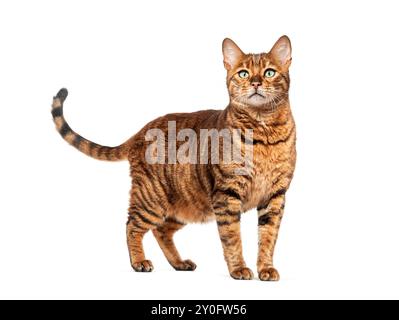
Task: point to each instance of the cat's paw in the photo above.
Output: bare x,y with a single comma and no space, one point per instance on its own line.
269,274
242,274
143,266
186,265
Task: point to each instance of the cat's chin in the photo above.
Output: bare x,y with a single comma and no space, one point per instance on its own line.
257,101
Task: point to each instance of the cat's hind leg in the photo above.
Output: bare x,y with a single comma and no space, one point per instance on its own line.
139,223
164,235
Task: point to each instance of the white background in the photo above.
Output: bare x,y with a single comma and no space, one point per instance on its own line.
62,215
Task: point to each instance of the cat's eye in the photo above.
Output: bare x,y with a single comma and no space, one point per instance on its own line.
270,73
243,74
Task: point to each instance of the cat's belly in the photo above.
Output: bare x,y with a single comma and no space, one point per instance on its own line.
199,209
195,212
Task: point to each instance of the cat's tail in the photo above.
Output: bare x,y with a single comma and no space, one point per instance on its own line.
89,148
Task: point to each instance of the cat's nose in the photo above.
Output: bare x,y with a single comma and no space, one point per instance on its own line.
255,84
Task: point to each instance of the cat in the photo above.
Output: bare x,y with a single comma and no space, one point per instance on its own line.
167,196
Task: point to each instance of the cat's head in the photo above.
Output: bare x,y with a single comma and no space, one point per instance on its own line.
258,80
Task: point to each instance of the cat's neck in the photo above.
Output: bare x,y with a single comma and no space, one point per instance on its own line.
238,114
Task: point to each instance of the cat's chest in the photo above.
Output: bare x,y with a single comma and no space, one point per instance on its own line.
268,164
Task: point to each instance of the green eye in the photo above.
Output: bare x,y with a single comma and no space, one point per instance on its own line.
270,73
243,74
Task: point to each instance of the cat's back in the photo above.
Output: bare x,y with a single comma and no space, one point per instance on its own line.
203,119
186,120
172,123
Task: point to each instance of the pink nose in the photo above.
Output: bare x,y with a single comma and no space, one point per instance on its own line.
255,84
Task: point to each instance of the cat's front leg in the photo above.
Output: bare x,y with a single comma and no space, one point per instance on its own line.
228,207
269,219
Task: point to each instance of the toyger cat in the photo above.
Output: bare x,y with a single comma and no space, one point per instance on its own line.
165,197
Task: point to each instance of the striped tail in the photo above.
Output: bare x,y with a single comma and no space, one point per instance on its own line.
89,148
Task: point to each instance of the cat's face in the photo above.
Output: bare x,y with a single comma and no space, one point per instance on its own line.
258,80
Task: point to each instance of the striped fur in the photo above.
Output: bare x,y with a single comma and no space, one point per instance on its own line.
89,148
166,197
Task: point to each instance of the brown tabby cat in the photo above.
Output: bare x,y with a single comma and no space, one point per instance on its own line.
165,197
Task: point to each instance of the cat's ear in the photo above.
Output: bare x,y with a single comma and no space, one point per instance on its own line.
231,54
281,52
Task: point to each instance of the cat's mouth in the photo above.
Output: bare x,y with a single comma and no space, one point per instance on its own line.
256,95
